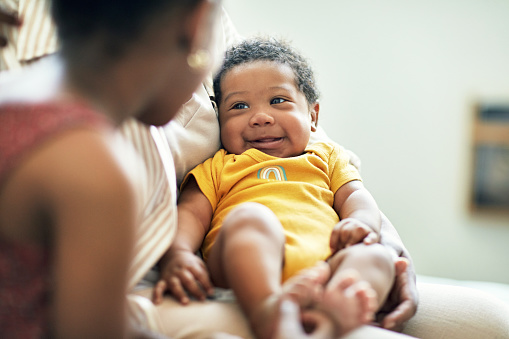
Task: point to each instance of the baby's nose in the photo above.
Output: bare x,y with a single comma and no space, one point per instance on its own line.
261,119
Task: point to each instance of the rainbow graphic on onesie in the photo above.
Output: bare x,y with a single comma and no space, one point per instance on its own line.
277,171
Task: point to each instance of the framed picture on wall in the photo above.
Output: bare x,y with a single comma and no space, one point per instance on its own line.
490,191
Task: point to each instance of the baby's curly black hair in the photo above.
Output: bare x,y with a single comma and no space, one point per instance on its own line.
269,49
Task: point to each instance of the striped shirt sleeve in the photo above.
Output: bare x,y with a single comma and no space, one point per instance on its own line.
158,221
34,39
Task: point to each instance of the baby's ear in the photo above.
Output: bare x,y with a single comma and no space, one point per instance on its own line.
314,109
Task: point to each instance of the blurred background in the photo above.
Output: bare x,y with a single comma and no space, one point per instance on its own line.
400,80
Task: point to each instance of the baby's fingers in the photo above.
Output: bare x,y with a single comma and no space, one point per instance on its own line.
202,276
158,292
371,238
334,240
192,285
177,290
356,235
339,236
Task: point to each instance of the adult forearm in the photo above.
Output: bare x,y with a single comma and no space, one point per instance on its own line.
391,238
403,299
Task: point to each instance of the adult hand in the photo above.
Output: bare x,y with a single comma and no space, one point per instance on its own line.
350,231
7,19
401,304
183,273
290,323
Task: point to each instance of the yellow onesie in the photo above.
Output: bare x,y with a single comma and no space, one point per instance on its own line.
299,190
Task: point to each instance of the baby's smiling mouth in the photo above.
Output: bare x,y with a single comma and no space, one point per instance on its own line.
268,142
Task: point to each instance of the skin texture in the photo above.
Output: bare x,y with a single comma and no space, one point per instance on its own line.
74,193
401,304
262,108
404,293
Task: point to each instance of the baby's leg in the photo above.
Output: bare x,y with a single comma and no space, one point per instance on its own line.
248,254
248,257
362,279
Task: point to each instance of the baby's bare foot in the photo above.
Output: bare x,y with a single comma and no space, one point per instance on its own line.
306,288
349,301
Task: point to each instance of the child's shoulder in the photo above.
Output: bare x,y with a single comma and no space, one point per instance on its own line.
324,147
328,151
220,154
218,159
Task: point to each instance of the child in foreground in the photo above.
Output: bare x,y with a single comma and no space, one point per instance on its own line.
269,209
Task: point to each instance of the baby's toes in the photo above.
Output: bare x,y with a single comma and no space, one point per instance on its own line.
320,273
307,286
367,298
304,292
300,290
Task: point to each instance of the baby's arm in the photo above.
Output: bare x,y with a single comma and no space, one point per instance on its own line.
182,271
359,215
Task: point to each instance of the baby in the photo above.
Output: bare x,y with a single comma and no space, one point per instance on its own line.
268,209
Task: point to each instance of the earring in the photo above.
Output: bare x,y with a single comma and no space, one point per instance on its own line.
198,60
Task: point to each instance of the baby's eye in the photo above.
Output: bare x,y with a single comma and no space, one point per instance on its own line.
240,106
277,101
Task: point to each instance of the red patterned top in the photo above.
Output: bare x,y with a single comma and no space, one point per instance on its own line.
25,282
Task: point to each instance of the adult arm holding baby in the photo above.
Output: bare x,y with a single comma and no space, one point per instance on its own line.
401,303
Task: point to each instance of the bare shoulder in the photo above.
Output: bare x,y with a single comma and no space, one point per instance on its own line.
84,161
80,174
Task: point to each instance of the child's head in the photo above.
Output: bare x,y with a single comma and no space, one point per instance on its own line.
267,99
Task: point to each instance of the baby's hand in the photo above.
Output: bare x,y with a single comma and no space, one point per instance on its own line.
350,231
183,273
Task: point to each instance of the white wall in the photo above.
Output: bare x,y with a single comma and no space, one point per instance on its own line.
398,80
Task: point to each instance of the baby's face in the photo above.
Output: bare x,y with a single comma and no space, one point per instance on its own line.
262,108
